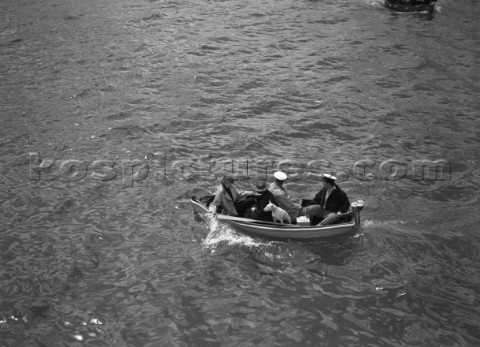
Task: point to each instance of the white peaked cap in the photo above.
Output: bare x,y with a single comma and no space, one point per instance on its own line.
333,178
279,175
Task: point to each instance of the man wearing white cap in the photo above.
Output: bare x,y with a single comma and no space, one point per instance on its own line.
283,199
329,204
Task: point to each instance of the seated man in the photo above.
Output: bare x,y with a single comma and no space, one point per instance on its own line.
283,199
329,204
262,200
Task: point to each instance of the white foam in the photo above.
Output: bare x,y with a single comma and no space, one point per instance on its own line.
222,233
373,223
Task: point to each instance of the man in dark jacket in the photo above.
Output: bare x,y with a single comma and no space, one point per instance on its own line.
262,200
329,204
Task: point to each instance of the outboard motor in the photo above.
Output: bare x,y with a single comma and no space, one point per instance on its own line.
357,206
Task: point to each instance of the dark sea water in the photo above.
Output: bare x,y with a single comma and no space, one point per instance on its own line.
113,113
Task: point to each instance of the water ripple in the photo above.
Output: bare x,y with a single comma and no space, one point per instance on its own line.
195,92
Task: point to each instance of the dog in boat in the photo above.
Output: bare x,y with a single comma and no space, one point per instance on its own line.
279,215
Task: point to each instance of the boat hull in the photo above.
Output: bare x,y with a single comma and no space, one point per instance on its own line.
283,231
289,231
409,7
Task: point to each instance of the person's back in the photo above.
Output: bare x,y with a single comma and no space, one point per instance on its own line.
263,200
265,197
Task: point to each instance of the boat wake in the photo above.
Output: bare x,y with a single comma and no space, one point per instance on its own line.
222,234
376,223
261,257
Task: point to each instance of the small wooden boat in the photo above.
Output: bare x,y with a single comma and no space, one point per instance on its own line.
410,5
285,231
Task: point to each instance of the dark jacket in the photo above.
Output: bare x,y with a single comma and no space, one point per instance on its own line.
262,200
337,201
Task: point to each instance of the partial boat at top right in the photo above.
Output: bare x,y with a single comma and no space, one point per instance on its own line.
410,5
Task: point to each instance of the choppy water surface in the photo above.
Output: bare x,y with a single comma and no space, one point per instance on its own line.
113,113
